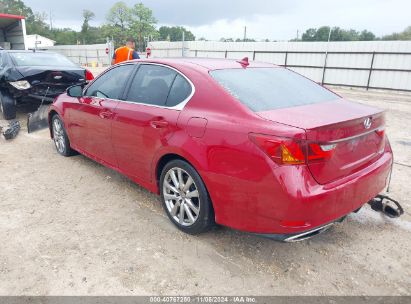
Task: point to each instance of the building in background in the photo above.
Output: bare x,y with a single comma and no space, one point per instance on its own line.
38,42
12,32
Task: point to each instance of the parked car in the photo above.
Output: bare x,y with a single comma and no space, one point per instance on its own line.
34,76
251,146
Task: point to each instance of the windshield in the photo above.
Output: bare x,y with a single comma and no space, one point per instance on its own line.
41,59
264,89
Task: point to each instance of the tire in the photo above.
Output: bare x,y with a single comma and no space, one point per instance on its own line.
189,206
61,140
7,106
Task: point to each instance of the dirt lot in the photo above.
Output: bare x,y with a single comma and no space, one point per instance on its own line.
69,226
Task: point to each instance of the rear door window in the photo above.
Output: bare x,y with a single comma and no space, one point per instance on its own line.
264,89
179,92
151,85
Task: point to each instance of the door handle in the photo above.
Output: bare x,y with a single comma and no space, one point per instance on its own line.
159,124
106,114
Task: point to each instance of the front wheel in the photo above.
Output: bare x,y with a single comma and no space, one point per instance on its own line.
61,140
7,106
185,198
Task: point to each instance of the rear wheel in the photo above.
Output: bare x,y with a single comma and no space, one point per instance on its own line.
60,137
7,106
185,198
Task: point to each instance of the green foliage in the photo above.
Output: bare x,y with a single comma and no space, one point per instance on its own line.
119,15
86,34
65,36
143,24
16,7
404,35
35,22
337,34
367,36
137,22
175,33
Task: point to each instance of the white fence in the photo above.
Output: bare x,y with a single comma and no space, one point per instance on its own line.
374,64
88,55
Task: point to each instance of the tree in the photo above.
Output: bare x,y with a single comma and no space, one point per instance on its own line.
310,35
337,34
65,36
143,23
16,7
366,36
404,35
38,25
175,33
119,15
87,17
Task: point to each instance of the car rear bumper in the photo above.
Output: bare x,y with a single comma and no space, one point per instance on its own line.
290,201
301,236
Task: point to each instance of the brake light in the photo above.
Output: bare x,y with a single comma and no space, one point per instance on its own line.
286,151
320,152
380,132
89,75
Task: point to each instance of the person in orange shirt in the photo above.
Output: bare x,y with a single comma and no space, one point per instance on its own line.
125,53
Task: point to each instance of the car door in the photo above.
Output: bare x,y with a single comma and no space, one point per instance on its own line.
91,117
148,118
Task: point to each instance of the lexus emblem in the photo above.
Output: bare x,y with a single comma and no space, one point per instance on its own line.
368,123
58,77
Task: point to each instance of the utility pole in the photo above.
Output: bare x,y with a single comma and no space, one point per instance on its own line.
326,55
245,33
298,35
51,21
183,42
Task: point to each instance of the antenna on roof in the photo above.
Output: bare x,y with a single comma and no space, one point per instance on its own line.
244,62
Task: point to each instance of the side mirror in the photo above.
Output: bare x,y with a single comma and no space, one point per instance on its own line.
75,91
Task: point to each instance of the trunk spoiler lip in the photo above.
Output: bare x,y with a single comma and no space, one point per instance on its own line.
354,136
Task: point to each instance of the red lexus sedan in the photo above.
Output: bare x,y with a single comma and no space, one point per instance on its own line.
251,146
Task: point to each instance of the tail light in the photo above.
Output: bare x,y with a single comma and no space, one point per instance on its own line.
89,75
380,132
287,151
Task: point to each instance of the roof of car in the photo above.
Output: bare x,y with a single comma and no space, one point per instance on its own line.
24,51
207,63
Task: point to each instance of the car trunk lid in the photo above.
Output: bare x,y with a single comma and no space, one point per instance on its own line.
353,131
51,81
52,74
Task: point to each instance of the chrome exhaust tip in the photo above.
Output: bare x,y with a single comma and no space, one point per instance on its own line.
308,234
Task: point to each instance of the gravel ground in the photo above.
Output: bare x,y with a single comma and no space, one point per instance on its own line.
69,226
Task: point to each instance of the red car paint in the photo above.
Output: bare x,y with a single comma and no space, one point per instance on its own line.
214,132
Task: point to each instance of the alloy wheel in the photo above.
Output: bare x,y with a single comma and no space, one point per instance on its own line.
58,134
181,197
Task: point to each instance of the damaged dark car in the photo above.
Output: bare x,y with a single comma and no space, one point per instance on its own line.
35,78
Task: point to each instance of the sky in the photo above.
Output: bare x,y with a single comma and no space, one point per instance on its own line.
265,19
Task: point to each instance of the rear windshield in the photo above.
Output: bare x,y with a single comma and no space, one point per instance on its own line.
264,89
41,59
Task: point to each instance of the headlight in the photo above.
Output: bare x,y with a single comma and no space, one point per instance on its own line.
21,85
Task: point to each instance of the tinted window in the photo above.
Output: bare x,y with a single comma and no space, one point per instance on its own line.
180,90
151,85
111,84
41,59
263,89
